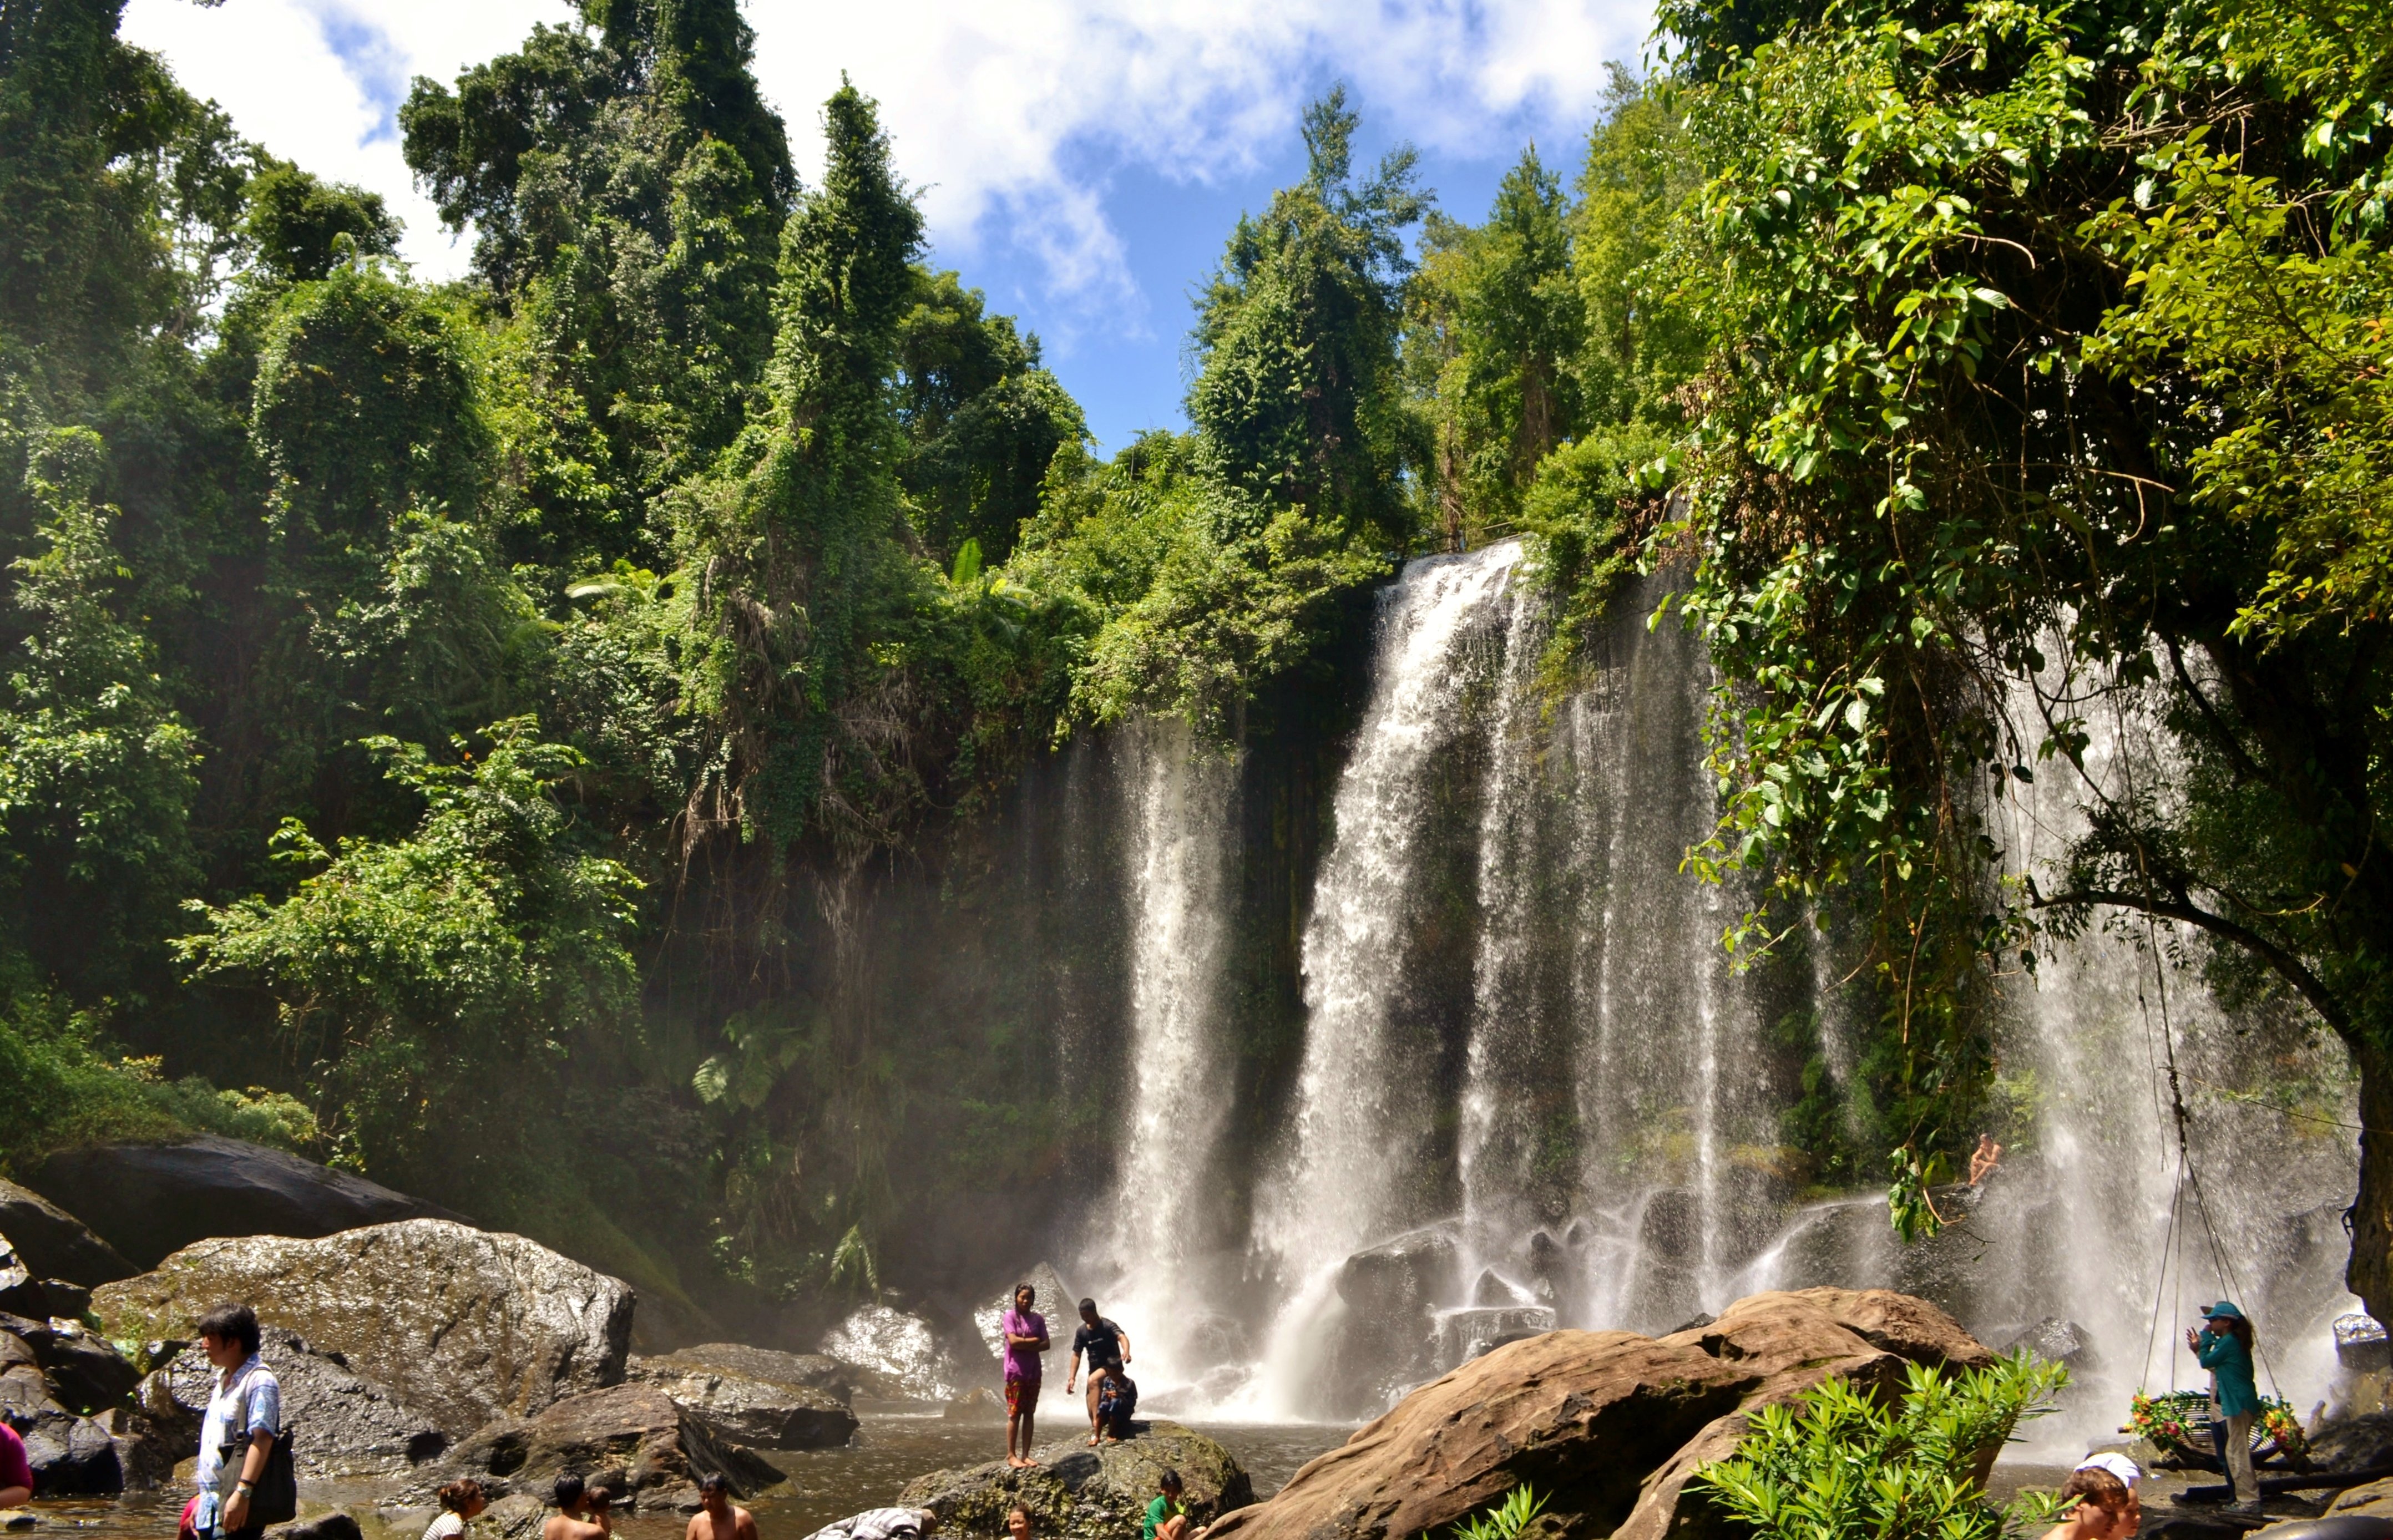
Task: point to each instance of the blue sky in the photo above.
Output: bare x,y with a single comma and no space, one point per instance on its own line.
1082,160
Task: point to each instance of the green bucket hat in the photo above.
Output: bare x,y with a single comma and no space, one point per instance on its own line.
2224,1309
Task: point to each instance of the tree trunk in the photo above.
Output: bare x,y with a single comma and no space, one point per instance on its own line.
2371,1273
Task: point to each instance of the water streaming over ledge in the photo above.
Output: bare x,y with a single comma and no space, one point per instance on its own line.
1533,1093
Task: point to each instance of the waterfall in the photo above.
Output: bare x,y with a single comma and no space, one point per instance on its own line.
1156,1243
1366,1113
1532,1090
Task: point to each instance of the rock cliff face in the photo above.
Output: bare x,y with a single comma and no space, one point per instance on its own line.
1076,1492
1608,1426
461,1326
150,1200
342,1426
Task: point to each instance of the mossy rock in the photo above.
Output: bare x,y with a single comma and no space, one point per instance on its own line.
1076,1492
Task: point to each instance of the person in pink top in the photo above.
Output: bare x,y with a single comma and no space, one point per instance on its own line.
16,1471
1026,1338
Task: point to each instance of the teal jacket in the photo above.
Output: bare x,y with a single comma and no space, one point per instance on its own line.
2230,1362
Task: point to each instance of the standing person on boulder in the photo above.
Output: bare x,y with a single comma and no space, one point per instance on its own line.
1026,1338
244,1417
2224,1346
719,1517
1108,1347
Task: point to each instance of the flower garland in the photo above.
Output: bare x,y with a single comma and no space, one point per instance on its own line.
2179,1422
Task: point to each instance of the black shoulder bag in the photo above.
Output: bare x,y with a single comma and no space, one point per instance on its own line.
274,1497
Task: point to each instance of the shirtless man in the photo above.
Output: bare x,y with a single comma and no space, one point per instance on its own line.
721,1519
572,1520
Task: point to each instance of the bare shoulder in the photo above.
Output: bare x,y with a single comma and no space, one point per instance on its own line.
743,1524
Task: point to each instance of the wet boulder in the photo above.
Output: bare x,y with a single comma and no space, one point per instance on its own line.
1076,1492
894,1355
755,1396
82,1372
344,1426
1607,1425
336,1525
53,1243
629,1437
1387,1335
150,1200
461,1326
2056,1341
71,1455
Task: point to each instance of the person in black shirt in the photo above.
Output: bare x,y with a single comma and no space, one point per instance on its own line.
1108,1347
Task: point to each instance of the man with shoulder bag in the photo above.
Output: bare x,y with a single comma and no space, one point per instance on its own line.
245,1477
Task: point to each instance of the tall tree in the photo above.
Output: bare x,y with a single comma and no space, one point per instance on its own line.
1298,388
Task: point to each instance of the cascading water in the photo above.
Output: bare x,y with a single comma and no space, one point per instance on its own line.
1533,1091
1367,1115
1156,1243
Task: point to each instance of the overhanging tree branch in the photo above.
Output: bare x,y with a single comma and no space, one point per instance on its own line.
2311,988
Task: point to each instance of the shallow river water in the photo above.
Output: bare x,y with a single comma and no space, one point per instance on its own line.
887,1451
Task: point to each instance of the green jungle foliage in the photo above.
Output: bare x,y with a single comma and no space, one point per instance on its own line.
426,704
1835,1463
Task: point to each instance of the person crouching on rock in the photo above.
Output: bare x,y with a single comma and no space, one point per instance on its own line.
718,1517
1026,1338
1108,1347
2224,1346
244,1417
2093,1505
460,1502
1167,1517
572,1520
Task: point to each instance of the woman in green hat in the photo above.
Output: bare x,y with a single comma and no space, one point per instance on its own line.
2224,1346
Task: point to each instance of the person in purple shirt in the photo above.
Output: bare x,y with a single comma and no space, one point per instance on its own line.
1026,1338
16,1471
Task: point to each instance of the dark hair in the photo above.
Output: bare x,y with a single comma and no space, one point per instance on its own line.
231,1324
2094,1486
2239,1327
1169,1480
459,1496
567,1490
1018,1289
600,1496
713,1483
1022,1509
1089,1305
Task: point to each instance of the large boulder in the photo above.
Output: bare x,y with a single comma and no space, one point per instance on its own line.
71,1455
343,1425
1076,1492
756,1396
629,1437
1607,1425
54,1244
1387,1335
461,1326
895,1355
150,1200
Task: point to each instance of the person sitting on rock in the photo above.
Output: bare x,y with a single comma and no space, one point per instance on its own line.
244,1417
718,1517
1108,1347
1984,1159
573,1518
1115,1402
1167,1517
881,1524
460,1503
1026,1338
2093,1505
16,1471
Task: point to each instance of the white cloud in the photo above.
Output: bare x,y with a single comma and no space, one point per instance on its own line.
1011,112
